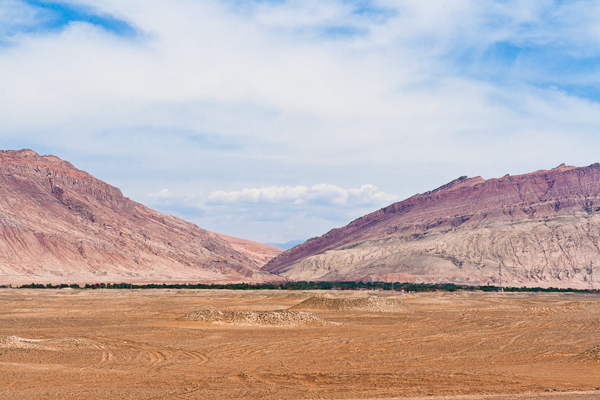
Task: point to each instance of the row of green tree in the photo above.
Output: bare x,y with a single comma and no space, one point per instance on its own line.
396,286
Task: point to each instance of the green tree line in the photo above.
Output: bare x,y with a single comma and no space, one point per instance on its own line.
396,286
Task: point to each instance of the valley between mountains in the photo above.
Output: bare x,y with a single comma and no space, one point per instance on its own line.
59,224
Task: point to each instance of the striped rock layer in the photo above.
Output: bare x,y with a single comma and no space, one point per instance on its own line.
61,225
538,229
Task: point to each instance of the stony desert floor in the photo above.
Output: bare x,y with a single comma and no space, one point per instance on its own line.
133,344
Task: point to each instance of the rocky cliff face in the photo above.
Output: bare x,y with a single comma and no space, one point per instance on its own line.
539,229
61,225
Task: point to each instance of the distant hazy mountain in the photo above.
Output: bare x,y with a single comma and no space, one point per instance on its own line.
61,225
287,245
538,229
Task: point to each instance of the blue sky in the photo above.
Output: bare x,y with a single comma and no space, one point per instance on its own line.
279,120
47,17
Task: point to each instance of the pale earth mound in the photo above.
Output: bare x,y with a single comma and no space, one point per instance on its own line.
592,354
255,318
349,304
16,342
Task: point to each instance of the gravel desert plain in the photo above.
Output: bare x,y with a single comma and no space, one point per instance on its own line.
274,344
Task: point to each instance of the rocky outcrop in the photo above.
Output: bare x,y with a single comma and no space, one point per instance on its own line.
538,229
61,225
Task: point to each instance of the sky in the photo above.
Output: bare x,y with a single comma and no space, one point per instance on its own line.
278,120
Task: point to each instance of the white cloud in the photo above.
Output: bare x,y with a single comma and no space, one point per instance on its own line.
310,210
13,15
278,96
321,194
162,194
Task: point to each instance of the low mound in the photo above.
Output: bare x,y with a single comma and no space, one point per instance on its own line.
592,354
352,304
15,342
261,318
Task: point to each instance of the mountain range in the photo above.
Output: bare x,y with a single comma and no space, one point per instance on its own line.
538,229
59,224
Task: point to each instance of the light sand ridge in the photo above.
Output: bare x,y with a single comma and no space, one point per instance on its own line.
256,318
352,304
16,342
592,354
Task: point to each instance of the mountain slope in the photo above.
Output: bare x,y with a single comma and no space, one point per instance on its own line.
538,229
59,225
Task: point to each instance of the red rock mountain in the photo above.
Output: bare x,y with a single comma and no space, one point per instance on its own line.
61,225
538,229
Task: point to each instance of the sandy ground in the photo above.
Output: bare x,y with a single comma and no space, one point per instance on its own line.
131,344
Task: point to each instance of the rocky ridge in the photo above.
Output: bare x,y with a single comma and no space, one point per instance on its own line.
59,224
537,229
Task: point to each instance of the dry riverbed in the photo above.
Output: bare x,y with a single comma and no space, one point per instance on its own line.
208,344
